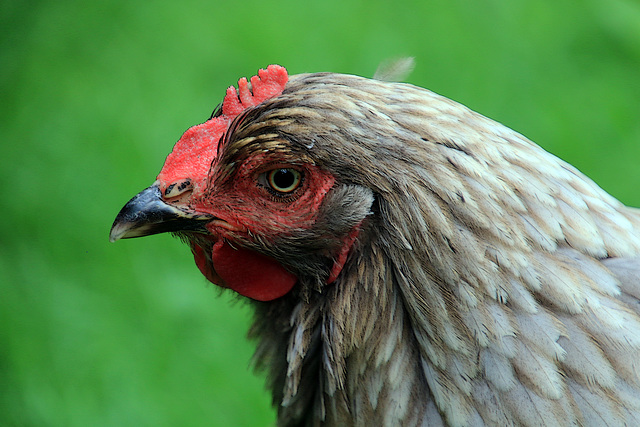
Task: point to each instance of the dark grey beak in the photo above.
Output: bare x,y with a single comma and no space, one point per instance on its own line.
147,213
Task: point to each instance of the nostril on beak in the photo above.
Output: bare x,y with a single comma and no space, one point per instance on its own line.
177,188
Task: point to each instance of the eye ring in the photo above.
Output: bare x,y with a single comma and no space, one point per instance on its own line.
284,180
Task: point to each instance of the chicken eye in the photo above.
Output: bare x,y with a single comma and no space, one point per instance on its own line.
284,180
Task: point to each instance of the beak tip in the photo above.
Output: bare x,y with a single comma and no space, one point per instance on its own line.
116,232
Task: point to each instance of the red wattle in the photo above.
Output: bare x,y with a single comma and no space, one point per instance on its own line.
249,273
201,261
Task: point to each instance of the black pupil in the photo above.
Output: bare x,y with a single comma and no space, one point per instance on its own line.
283,178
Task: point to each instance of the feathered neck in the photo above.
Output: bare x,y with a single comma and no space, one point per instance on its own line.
348,354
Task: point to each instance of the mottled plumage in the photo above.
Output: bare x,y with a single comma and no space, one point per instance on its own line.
490,283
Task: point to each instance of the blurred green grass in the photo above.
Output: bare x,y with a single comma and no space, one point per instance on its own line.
95,94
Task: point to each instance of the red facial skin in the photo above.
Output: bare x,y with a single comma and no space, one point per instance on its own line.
243,205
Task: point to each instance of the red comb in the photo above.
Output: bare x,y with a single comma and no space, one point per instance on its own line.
267,84
192,155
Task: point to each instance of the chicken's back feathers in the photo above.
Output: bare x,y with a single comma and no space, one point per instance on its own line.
492,283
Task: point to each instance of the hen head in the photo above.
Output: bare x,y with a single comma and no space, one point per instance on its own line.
250,200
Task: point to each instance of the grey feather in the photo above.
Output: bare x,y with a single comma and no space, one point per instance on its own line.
492,283
395,70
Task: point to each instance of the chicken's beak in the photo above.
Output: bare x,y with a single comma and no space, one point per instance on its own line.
147,213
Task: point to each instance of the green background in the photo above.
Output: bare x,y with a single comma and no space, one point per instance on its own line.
93,96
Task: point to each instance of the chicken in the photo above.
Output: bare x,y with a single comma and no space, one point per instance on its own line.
410,261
